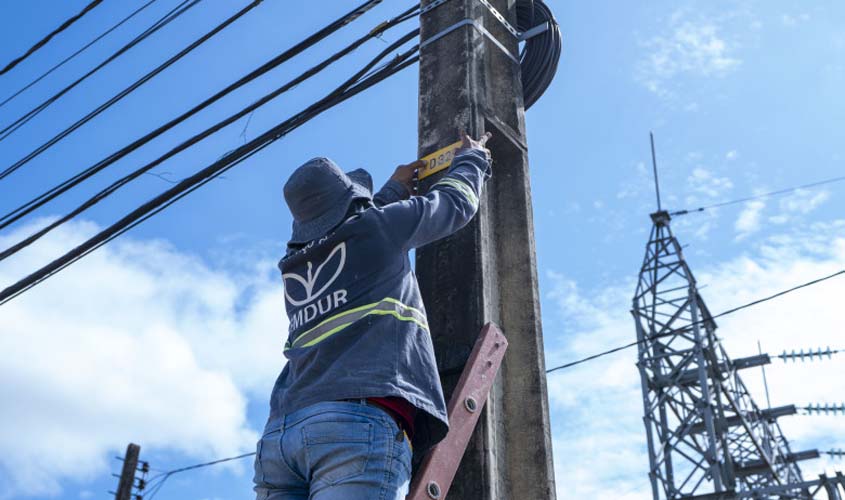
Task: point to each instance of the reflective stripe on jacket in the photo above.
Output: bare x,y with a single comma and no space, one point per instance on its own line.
357,322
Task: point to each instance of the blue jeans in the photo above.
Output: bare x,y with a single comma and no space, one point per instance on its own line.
334,451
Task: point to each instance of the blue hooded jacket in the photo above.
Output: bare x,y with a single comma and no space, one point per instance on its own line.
358,327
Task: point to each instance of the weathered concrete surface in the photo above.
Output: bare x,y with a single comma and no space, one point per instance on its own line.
487,271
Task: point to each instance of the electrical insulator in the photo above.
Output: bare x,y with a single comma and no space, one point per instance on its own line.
809,355
824,409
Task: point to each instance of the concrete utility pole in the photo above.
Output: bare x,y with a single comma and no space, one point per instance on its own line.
127,475
487,271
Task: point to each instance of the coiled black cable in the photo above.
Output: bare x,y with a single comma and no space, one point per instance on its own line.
540,56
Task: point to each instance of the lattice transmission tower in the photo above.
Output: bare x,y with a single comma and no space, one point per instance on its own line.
707,438
705,433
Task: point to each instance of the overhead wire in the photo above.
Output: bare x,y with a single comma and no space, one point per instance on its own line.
156,482
702,321
65,25
364,79
288,54
78,51
528,68
208,464
131,88
169,17
759,196
348,89
104,193
159,479
155,206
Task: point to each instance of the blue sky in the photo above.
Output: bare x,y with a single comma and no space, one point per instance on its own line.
168,337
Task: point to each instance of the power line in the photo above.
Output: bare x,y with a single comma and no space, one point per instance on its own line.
79,51
705,320
131,88
108,191
65,25
155,483
759,196
348,89
173,14
208,464
189,185
810,409
300,47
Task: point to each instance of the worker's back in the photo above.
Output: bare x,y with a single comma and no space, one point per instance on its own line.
361,374
357,323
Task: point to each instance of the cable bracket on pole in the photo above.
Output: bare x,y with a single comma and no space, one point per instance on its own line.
432,6
513,31
500,17
536,30
478,26
520,36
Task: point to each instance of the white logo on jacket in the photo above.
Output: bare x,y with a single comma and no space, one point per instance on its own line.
325,305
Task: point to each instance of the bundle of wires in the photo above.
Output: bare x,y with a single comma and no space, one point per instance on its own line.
366,77
539,61
172,15
57,190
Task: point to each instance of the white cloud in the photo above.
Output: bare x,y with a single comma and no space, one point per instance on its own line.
790,20
638,184
749,218
596,419
689,47
803,201
702,181
703,188
136,342
790,209
691,107
731,155
793,207
597,406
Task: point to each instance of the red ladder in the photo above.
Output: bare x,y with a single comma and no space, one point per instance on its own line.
435,475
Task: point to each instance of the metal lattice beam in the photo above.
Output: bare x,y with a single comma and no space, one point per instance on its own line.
707,438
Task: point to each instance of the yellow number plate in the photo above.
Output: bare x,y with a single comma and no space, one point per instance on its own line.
438,160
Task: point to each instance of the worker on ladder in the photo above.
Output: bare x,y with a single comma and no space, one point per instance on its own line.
360,392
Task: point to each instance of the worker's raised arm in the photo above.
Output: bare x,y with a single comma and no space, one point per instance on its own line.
448,206
399,186
391,192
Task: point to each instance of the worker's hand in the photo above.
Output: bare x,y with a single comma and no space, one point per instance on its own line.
468,142
405,175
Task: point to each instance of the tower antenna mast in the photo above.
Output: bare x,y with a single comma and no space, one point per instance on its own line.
654,167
